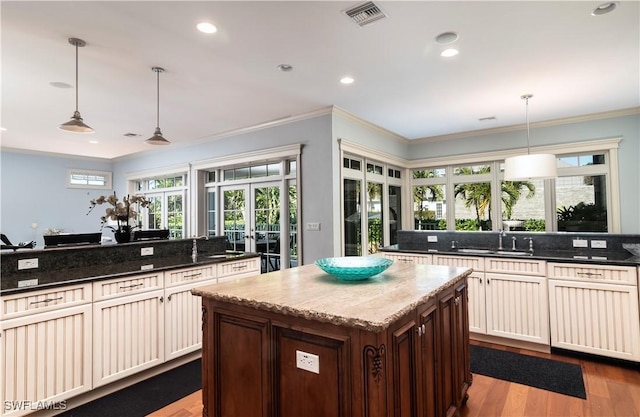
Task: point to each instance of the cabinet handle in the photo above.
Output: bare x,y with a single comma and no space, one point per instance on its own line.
161,299
46,300
589,274
419,330
456,300
405,260
124,287
480,280
239,267
192,275
424,329
169,297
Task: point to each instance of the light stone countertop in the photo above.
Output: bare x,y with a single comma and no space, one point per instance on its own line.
308,292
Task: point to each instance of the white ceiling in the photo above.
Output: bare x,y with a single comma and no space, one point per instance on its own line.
572,62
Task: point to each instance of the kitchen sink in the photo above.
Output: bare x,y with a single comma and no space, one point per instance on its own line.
511,252
475,251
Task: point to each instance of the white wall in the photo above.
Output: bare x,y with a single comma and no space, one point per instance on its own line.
34,191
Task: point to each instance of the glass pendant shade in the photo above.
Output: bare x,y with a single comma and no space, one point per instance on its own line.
157,138
530,166
76,125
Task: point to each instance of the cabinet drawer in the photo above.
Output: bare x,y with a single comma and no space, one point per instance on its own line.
234,269
133,284
45,300
181,276
409,259
516,266
476,263
594,273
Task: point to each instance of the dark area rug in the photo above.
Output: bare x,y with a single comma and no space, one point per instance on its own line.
551,375
146,396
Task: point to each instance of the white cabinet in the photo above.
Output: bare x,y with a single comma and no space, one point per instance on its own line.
594,309
128,333
45,348
241,268
408,258
507,297
183,311
476,288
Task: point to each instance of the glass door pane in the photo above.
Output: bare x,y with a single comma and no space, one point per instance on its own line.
293,226
175,219
235,226
352,218
266,224
375,231
395,213
154,212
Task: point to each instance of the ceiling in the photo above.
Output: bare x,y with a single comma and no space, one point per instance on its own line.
572,62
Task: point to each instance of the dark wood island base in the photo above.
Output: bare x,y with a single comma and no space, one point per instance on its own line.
298,343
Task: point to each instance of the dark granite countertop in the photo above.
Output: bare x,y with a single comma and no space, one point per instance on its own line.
69,276
604,258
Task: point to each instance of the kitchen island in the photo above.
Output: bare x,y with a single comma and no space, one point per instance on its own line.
298,342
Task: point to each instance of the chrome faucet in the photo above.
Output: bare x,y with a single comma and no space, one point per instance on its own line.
513,243
501,234
194,248
530,239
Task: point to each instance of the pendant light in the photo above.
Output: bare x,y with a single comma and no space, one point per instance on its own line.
157,138
76,124
530,166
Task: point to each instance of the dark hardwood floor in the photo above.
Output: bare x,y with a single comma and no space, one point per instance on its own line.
613,390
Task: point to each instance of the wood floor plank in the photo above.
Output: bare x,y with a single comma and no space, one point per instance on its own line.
516,400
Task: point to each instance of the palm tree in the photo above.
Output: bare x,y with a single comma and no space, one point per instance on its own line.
478,195
422,193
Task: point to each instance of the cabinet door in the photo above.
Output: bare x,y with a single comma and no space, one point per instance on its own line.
461,337
477,303
427,375
183,320
45,358
404,363
517,307
595,318
447,353
128,335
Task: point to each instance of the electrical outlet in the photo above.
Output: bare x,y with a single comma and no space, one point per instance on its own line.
599,244
146,267
432,238
27,283
308,361
313,226
580,243
27,263
146,251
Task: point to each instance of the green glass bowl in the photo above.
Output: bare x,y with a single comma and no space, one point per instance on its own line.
354,268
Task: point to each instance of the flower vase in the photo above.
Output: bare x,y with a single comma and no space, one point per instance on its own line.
122,235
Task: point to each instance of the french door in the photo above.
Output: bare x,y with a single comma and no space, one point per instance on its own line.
253,221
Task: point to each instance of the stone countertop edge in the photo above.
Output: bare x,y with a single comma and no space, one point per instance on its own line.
551,256
187,262
312,294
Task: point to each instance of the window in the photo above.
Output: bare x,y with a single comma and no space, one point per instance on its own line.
371,204
579,199
88,179
166,210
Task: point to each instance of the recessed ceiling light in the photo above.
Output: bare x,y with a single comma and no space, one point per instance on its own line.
206,27
605,8
446,38
93,141
59,84
487,119
4,129
448,53
347,80
285,67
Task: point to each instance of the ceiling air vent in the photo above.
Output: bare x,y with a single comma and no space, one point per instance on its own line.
365,13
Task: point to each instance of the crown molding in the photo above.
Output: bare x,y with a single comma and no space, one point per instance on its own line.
54,154
541,124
